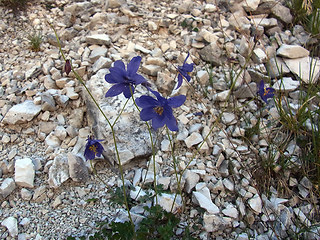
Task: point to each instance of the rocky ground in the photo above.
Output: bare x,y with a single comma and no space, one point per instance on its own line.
46,116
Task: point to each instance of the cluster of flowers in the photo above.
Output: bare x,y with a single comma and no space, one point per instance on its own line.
159,109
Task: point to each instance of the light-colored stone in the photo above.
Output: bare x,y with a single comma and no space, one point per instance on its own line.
292,51
99,39
7,186
307,68
286,84
205,202
193,139
59,171
24,172
167,200
12,225
22,113
256,203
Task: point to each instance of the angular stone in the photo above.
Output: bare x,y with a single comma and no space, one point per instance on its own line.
99,39
133,140
59,171
230,211
304,68
205,202
286,84
101,63
212,54
246,91
192,179
251,5
97,53
151,70
276,67
292,51
255,203
24,172
166,200
7,186
12,225
78,170
282,12
22,113
193,139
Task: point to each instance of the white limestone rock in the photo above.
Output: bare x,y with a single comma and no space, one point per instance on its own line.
12,225
78,170
292,51
193,139
256,203
166,200
230,211
22,113
205,202
24,172
286,84
99,39
7,186
304,68
192,179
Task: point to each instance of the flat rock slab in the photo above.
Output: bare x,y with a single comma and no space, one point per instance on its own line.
306,68
292,51
22,113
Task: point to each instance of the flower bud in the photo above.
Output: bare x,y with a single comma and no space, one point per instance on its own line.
67,67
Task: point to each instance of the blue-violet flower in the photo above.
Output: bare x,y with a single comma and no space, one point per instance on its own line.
93,148
184,70
160,110
265,93
124,80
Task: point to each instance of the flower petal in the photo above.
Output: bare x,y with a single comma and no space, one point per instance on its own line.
133,65
88,154
127,92
118,74
188,67
119,64
158,121
179,80
146,101
147,113
115,90
108,77
137,78
172,123
176,101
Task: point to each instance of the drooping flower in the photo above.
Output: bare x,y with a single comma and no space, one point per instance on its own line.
93,148
265,93
67,67
124,80
160,110
184,70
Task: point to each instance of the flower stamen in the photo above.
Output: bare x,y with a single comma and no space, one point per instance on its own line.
93,148
158,110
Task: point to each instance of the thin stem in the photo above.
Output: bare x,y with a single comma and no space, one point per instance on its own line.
111,127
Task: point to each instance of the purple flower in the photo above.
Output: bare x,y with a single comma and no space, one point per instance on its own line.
160,110
67,67
124,79
93,148
184,70
265,93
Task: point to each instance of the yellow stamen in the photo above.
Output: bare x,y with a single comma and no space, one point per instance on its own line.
93,148
158,110
266,91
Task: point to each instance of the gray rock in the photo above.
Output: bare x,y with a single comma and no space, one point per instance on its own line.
114,3
133,140
192,179
251,5
47,102
24,172
59,171
282,12
212,54
12,225
246,91
22,113
230,211
101,63
7,186
97,53
276,67
78,170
